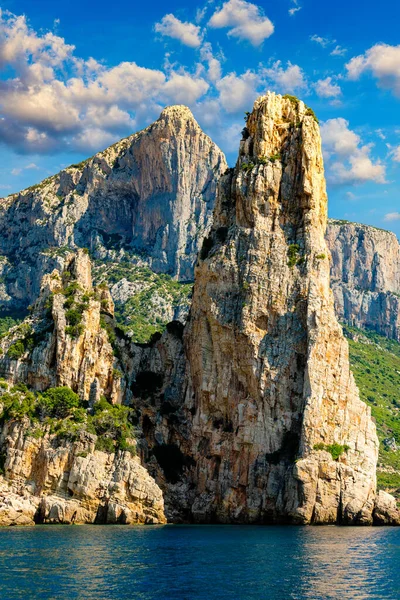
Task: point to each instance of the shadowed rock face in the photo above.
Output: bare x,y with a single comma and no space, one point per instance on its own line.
268,368
151,193
365,276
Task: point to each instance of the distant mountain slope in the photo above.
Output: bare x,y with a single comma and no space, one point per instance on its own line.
375,362
147,199
365,276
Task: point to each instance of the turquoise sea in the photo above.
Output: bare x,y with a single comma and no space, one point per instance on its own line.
199,563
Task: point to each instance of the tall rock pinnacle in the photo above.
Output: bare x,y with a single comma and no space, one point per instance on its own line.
279,431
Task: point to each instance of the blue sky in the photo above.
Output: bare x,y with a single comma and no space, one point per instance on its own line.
77,76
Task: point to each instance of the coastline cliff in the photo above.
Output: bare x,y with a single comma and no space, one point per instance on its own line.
248,414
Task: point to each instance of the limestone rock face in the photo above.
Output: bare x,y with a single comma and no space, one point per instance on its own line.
151,194
386,511
365,276
49,482
269,384
54,353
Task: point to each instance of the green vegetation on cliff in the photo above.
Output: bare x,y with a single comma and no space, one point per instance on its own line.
375,362
60,412
148,300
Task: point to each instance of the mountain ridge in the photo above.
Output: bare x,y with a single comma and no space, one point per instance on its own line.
126,201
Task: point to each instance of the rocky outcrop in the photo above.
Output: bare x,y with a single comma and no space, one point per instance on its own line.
147,198
65,341
365,276
249,413
273,400
386,510
53,470
51,482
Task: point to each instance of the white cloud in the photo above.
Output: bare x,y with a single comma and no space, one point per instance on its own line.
232,136
53,100
390,217
292,11
326,88
348,160
396,154
286,80
339,51
92,139
214,64
187,33
382,61
245,20
182,88
30,166
320,40
237,93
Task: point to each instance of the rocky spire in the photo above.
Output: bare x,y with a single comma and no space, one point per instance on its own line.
65,341
279,431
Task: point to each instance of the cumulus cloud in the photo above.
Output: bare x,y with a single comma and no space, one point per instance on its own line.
349,161
184,89
396,154
214,64
245,21
326,88
290,79
53,99
237,93
187,33
393,216
382,61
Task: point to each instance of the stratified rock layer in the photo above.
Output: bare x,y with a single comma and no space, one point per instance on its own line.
151,194
268,367
52,482
365,276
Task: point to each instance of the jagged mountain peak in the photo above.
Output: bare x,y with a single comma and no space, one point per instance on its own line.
177,111
147,198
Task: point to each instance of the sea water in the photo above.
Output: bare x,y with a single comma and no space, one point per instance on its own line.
199,562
